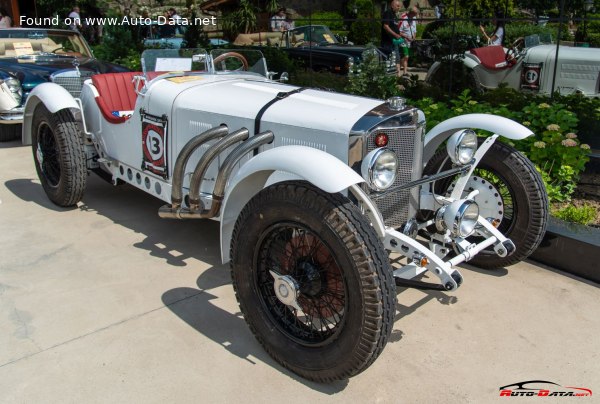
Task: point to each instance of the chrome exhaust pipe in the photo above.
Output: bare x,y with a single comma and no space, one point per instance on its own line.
168,212
234,157
207,159
184,156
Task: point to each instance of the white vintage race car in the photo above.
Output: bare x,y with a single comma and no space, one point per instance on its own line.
313,191
528,65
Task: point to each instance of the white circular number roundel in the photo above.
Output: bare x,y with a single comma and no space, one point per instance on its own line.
154,145
531,76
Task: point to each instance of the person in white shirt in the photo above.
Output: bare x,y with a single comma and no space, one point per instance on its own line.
497,37
75,19
278,20
5,21
408,32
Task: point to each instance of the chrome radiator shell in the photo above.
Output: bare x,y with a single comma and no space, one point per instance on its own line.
405,134
71,80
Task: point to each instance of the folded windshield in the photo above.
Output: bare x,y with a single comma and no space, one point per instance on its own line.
191,61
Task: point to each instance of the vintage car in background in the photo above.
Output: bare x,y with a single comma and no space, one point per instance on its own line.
313,190
316,47
528,65
29,57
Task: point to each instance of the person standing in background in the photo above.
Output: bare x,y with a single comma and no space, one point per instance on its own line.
278,20
288,23
390,35
75,19
497,37
5,20
408,32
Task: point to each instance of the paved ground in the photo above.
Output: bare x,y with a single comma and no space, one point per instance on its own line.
109,303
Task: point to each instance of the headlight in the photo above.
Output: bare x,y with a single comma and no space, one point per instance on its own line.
14,85
379,168
460,217
462,146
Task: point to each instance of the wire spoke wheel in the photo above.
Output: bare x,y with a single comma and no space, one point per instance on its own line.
313,281
292,249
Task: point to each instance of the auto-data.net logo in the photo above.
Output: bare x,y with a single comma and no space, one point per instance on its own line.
542,388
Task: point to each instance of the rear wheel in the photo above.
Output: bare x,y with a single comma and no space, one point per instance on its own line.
511,193
59,157
313,281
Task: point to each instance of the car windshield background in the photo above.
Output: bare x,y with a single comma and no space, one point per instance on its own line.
17,43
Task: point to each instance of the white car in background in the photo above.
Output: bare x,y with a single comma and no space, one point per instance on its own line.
529,65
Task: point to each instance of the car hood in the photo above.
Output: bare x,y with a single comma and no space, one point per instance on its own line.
310,109
33,73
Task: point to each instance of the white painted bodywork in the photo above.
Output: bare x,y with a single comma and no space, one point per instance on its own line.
315,166
493,123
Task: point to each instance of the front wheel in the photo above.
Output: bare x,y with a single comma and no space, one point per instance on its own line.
313,281
511,193
59,157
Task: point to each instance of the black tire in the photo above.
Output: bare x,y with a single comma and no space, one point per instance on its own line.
523,195
59,156
343,271
10,131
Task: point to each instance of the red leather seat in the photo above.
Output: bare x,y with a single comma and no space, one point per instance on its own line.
491,57
115,93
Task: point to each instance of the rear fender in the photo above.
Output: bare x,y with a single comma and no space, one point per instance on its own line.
275,165
495,124
53,96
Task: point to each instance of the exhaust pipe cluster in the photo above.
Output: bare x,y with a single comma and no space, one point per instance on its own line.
196,210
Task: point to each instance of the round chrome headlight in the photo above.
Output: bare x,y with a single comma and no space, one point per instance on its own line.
379,168
462,146
14,85
460,217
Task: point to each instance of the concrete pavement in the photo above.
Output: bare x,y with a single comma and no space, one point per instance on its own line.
108,303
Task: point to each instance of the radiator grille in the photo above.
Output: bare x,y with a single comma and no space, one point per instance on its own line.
397,208
71,80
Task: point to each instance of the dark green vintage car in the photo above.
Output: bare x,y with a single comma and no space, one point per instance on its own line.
31,56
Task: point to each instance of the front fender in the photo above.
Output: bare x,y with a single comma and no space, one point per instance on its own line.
493,123
298,162
53,96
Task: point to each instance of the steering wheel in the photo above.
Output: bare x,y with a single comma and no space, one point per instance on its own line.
514,52
234,55
66,51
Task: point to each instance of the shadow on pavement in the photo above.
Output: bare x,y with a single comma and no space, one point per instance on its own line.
30,190
175,241
228,330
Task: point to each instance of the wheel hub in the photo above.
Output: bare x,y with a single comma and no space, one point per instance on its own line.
491,205
286,289
310,279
